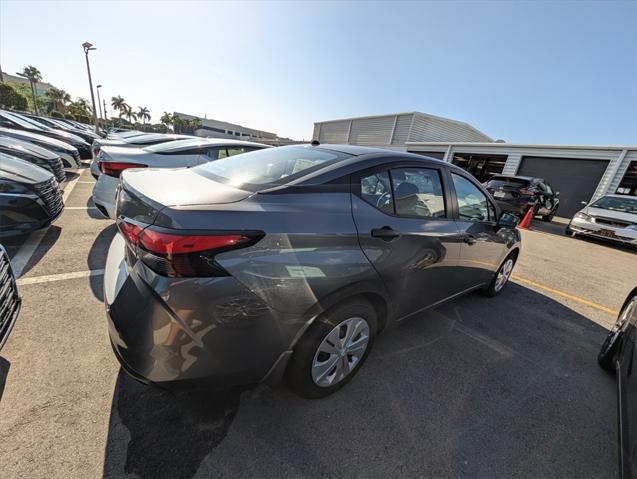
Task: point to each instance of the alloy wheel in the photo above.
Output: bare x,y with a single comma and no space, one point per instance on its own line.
504,274
340,352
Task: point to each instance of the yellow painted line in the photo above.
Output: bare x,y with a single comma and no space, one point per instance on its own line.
572,297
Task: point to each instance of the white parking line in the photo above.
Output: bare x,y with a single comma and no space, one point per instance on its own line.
24,254
59,277
80,207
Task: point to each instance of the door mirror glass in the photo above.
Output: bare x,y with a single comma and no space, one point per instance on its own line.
507,220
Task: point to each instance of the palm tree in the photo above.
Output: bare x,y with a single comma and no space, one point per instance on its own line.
143,114
32,74
129,113
58,98
118,103
166,119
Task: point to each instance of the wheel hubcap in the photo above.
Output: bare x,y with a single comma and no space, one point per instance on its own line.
340,352
504,274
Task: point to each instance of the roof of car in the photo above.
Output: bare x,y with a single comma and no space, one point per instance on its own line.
528,178
190,142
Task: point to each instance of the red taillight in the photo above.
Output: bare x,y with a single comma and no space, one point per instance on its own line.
115,168
173,254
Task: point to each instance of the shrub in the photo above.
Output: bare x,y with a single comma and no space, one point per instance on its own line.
69,116
10,98
56,114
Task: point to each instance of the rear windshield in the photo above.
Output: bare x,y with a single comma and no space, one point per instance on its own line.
615,203
20,121
269,167
172,145
503,181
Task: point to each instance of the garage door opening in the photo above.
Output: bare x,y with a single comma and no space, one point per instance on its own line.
628,185
576,179
482,167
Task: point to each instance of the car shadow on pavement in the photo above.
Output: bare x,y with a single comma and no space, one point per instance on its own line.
97,258
15,243
155,433
93,212
4,373
478,387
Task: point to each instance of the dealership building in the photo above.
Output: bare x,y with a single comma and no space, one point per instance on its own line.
579,173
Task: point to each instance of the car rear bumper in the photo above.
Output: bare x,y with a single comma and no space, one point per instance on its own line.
516,207
606,232
104,193
178,332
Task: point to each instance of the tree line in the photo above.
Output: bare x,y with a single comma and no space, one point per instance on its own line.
56,102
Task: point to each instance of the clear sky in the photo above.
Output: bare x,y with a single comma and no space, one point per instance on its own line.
539,72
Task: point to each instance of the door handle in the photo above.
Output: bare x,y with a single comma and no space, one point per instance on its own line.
386,233
469,239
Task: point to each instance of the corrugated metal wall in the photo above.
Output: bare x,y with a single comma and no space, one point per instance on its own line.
395,130
334,132
439,129
372,131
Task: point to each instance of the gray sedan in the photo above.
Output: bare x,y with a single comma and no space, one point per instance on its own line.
112,160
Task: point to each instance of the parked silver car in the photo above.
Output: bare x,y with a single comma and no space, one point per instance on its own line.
612,217
130,140
112,160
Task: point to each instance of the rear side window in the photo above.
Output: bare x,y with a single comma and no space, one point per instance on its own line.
409,192
233,150
418,192
473,205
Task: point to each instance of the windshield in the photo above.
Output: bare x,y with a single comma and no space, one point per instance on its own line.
504,181
33,122
271,166
616,203
21,122
177,144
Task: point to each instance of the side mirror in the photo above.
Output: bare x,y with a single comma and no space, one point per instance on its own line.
507,220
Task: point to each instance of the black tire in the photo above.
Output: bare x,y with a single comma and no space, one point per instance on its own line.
548,218
492,289
608,351
298,374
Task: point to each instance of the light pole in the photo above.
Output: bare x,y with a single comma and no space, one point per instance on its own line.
99,102
87,48
104,101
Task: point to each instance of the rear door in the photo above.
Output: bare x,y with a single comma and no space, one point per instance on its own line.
402,213
482,246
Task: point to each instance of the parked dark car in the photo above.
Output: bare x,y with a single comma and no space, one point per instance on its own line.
33,154
618,356
30,198
516,194
87,136
9,298
68,153
18,122
289,261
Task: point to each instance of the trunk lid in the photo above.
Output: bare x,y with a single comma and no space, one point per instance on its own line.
145,192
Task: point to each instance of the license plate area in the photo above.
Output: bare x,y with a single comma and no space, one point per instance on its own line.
607,233
499,194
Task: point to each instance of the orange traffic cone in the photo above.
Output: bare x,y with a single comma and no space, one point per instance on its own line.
525,224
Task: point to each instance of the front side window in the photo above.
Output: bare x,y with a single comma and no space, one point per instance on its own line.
376,190
472,203
418,192
233,150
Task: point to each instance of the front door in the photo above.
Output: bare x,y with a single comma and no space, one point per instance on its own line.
405,230
482,246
